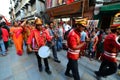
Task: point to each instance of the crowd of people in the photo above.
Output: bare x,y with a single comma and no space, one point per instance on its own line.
81,41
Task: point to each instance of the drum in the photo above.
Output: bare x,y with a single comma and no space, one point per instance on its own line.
44,51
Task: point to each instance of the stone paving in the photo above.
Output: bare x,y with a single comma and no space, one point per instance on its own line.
14,67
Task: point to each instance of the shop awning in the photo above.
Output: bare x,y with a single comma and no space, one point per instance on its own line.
111,7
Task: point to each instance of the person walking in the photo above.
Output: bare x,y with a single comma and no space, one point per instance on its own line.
40,39
17,36
5,36
84,36
54,36
111,48
3,51
93,44
73,53
60,37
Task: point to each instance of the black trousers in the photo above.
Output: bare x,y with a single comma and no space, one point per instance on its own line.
54,49
39,61
73,65
107,68
6,44
119,66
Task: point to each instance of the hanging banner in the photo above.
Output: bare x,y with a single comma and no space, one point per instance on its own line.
60,2
54,3
48,4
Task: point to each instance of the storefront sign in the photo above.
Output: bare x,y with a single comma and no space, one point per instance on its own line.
92,23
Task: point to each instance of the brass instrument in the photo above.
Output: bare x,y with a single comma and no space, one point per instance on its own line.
118,40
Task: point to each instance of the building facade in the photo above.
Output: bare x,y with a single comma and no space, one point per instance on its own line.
26,9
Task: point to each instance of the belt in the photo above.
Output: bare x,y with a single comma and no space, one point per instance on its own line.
112,55
73,51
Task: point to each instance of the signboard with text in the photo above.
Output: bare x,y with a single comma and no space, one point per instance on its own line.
92,23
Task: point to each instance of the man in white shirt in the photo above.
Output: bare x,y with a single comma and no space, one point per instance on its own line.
66,26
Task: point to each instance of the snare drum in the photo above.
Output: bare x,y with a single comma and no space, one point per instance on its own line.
44,51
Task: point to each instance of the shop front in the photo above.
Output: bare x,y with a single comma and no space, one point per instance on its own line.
106,15
73,9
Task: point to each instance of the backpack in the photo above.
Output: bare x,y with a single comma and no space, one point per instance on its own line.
66,34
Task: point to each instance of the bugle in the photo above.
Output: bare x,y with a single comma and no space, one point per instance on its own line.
118,40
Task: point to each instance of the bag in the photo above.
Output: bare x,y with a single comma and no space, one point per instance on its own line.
0,34
66,34
49,44
65,47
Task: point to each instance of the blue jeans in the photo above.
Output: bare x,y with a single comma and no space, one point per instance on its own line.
2,47
59,43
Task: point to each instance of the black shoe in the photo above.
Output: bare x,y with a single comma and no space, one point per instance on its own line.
40,69
49,57
58,61
48,71
68,74
104,76
4,54
98,76
97,73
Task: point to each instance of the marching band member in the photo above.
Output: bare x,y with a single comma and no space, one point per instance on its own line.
40,38
73,53
111,47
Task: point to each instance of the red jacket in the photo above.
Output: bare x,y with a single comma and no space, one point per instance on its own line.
73,40
5,34
111,48
40,38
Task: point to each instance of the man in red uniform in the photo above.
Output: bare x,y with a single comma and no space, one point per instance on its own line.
111,48
73,53
40,38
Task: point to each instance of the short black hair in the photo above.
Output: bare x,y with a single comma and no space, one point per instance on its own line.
113,30
0,17
3,23
0,25
78,24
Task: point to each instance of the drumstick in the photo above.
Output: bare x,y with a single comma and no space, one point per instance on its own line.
35,50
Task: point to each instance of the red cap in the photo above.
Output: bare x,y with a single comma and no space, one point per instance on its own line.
115,26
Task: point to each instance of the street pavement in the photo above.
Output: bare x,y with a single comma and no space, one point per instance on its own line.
14,67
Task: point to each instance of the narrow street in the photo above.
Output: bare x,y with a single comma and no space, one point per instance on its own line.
14,67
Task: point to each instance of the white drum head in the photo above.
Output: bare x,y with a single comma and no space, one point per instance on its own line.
44,52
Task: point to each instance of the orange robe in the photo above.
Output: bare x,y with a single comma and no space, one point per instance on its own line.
26,32
17,39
